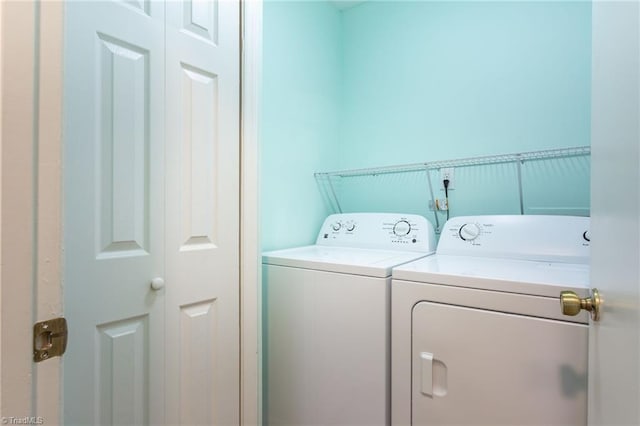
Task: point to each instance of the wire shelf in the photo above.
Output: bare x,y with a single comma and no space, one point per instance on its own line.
326,179
462,162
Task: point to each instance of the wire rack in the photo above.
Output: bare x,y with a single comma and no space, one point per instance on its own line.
326,180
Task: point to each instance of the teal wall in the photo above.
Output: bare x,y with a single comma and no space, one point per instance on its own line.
392,82
440,80
300,117
427,81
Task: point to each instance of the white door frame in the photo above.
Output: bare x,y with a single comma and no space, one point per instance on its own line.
17,226
31,90
250,273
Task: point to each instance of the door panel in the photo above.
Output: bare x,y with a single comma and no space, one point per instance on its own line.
113,201
198,338
199,143
614,341
202,233
122,157
123,379
201,19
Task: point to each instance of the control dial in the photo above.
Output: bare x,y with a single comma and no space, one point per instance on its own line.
586,236
351,227
469,231
336,226
402,228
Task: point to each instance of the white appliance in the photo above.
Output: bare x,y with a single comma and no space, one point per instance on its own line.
327,319
478,337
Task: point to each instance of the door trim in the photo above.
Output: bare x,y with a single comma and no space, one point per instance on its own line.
250,265
31,204
48,244
17,204
30,212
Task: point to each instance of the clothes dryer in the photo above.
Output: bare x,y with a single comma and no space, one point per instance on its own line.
327,319
478,337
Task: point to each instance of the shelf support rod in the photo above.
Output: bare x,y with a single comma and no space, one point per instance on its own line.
333,192
520,192
435,210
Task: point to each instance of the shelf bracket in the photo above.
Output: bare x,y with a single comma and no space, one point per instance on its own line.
435,210
520,191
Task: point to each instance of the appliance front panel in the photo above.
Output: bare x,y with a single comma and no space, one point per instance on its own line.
477,367
326,348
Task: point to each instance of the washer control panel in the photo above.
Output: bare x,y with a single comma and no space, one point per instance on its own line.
389,231
529,237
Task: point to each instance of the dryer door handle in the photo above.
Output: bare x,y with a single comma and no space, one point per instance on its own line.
426,361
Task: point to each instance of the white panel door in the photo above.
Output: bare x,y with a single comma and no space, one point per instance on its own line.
476,367
131,216
614,341
202,210
113,207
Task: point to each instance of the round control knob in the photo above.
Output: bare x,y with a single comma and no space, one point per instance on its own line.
157,283
336,226
586,235
351,227
401,228
469,231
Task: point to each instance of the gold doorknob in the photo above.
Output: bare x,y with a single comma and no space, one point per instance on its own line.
572,304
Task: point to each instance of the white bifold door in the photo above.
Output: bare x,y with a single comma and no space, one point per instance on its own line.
151,229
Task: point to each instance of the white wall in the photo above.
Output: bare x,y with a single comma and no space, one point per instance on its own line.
439,80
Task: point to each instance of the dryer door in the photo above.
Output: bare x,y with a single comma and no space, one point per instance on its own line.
476,367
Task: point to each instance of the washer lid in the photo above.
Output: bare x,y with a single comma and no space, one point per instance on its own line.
373,263
507,275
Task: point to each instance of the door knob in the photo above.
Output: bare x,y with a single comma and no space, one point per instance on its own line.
572,304
157,283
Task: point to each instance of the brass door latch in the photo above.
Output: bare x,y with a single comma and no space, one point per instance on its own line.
49,339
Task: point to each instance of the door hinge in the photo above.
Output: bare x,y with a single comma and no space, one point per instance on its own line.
49,339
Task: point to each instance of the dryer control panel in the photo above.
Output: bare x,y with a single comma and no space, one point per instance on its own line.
387,231
528,237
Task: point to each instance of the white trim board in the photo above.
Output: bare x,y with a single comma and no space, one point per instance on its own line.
18,204
249,209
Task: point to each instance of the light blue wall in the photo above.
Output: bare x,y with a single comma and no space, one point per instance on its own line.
427,81
300,117
400,82
439,80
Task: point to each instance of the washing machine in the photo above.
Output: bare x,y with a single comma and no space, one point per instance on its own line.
478,337
326,315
